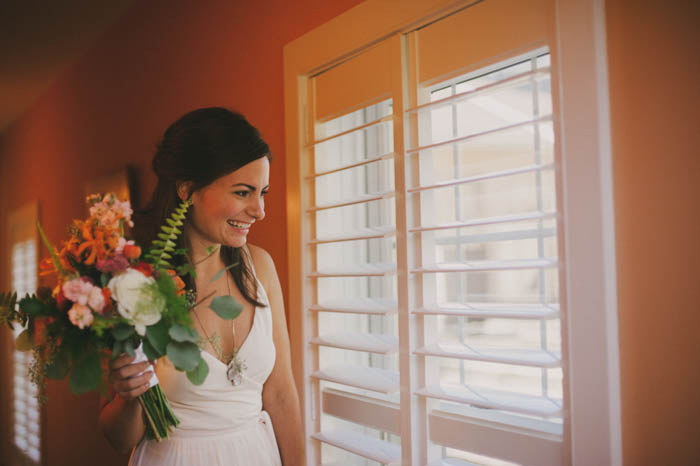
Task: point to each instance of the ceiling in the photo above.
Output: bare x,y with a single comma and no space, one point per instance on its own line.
40,39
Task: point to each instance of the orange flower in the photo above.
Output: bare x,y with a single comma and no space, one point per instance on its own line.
94,243
46,267
132,251
145,268
179,284
107,295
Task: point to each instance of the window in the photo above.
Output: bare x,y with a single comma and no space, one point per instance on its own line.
433,308
26,413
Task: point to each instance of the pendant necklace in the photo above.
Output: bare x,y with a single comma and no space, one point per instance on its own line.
235,367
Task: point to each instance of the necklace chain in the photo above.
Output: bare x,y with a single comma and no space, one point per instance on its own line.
215,341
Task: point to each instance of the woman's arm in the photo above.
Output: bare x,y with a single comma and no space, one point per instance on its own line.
121,419
280,397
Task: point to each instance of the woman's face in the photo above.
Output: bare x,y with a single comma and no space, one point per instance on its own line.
224,211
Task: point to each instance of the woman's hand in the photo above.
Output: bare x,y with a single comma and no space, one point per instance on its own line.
123,375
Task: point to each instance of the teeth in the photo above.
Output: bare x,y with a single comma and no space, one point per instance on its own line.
238,225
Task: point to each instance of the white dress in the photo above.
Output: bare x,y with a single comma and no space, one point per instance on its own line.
219,424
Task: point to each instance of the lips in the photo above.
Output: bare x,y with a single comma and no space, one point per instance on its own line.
238,225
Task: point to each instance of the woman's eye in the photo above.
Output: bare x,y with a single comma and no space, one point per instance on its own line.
241,193
264,193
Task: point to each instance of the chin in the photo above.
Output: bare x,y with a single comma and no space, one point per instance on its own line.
236,243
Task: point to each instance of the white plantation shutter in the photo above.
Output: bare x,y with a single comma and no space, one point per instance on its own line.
433,280
482,176
26,417
353,313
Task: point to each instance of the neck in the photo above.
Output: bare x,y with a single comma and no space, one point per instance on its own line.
205,255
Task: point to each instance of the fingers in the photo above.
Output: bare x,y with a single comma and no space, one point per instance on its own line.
126,378
132,387
128,371
121,361
134,393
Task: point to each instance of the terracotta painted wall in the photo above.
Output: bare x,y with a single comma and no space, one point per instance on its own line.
158,61
162,59
654,64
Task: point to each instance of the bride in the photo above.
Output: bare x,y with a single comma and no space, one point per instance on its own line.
245,413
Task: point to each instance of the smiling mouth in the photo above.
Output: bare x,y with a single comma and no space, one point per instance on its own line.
238,225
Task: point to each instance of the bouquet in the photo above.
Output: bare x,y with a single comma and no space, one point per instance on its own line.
113,298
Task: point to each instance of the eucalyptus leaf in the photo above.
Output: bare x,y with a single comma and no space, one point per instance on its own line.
129,347
122,331
218,274
86,374
181,333
199,374
226,307
150,352
157,336
117,349
184,355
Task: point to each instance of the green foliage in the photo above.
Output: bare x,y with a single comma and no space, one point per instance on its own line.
163,248
186,269
199,373
218,274
8,309
184,355
150,352
52,251
181,333
226,307
59,366
121,332
86,373
178,309
32,306
157,336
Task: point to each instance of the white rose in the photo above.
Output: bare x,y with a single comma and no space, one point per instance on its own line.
138,300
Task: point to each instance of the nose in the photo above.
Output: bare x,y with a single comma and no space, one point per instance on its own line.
256,207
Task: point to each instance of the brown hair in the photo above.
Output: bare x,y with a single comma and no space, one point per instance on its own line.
200,147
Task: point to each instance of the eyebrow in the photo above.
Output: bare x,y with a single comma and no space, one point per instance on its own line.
252,188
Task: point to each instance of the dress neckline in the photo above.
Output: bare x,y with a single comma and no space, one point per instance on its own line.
255,309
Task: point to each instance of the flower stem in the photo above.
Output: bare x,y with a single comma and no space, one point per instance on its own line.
159,418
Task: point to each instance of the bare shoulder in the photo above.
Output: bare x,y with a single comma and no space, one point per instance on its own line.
264,266
267,274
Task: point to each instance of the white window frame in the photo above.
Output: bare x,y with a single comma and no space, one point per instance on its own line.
593,435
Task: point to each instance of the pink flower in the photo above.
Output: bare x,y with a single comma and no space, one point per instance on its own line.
124,209
96,300
110,210
116,264
77,290
80,315
120,245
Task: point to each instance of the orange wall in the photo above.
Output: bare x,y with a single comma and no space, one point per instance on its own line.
162,59
654,65
158,61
